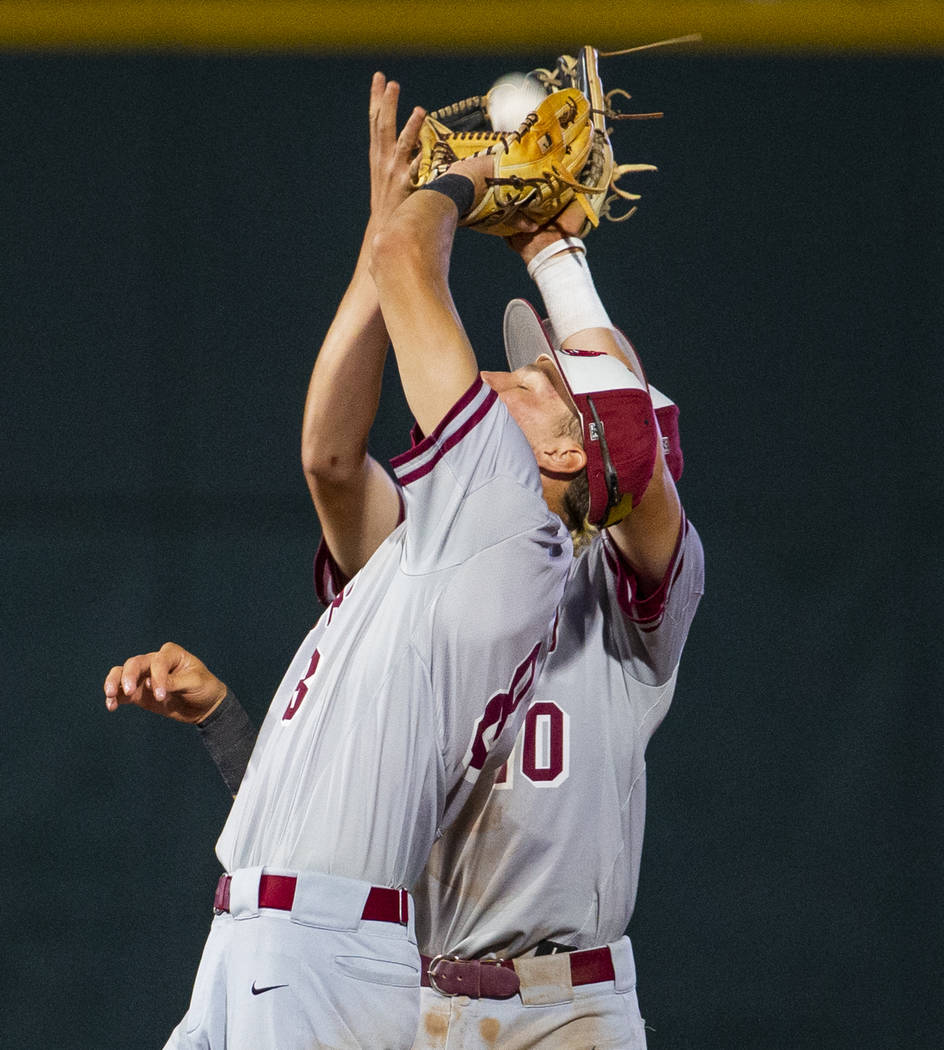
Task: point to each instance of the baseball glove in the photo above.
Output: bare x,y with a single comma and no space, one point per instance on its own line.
561,151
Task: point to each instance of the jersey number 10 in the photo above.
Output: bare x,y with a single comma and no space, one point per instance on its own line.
542,750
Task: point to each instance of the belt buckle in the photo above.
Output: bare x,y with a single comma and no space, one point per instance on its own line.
431,972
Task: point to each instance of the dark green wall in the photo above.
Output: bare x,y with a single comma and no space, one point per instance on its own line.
175,235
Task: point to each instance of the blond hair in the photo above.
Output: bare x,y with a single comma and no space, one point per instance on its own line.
576,499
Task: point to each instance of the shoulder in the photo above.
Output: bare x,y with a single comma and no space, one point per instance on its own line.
603,610
683,577
476,430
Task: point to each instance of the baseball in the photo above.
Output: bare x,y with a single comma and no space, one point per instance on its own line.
511,98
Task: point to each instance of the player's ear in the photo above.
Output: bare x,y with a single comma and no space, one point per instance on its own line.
565,459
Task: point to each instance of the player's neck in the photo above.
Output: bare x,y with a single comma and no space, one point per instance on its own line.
554,489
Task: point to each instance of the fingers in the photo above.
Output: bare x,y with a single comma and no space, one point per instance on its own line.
384,98
523,224
170,682
143,678
410,135
384,95
529,240
112,688
391,155
126,683
570,221
163,665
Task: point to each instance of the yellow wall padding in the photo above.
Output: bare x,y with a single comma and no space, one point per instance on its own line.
489,27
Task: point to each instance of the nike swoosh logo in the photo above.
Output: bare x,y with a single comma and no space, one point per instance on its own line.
267,988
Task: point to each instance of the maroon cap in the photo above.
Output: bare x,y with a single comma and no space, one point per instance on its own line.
616,414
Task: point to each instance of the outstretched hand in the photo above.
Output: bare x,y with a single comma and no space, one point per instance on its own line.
171,682
391,155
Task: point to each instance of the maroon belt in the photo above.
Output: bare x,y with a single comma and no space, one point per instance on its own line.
278,891
497,979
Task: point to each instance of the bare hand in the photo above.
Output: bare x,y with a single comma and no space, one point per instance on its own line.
170,682
568,224
391,155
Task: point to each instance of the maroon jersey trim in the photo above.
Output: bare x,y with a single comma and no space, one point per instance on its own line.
435,444
329,580
648,611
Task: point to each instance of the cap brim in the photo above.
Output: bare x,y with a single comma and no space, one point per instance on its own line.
525,337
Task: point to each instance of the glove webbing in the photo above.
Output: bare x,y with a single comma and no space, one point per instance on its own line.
467,115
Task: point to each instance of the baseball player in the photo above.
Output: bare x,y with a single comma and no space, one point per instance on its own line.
540,871
543,873
397,700
524,884
544,877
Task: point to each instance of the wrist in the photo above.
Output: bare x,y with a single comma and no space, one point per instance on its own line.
459,188
563,278
229,736
546,244
220,695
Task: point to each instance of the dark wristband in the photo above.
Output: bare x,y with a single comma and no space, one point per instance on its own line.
229,736
460,189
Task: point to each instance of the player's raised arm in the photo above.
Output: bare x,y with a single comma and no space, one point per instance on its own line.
648,537
410,266
556,260
354,497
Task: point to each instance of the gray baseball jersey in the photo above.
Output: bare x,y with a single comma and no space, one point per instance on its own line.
555,852
418,675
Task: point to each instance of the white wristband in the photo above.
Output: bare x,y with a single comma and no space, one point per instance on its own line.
564,246
563,278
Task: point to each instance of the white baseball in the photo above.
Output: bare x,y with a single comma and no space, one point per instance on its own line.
511,98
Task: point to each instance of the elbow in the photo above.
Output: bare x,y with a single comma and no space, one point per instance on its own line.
396,252
327,466
313,464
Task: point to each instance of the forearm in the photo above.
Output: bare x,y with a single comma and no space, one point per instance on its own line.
410,267
345,386
573,306
557,264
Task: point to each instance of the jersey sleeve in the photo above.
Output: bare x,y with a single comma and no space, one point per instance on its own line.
470,484
650,632
329,579
476,446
